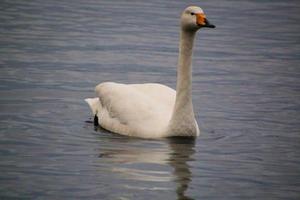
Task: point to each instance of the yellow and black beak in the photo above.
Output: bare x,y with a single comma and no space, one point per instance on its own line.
202,21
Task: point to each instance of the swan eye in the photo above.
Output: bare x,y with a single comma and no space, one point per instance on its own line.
192,13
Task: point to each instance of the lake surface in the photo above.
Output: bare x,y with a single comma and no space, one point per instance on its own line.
246,95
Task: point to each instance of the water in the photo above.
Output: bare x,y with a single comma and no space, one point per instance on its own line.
246,99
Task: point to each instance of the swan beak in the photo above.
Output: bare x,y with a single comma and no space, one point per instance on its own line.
203,22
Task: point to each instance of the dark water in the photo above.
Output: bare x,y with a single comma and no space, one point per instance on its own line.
246,96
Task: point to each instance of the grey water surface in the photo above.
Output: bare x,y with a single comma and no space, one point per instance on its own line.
246,95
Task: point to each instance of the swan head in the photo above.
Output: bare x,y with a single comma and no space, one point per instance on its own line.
193,18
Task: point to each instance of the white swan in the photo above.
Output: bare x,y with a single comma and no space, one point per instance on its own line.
153,110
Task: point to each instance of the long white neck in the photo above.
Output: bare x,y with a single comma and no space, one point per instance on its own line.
183,121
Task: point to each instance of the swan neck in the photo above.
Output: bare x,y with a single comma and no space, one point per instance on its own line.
184,68
183,120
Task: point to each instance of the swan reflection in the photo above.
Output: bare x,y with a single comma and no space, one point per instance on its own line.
160,164
183,149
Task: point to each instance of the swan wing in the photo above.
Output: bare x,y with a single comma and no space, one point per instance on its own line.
141,110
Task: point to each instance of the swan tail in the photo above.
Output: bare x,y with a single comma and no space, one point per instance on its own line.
94,105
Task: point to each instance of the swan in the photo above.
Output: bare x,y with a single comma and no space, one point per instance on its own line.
153,110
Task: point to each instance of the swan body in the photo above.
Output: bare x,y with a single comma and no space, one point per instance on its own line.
140,110
153,110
